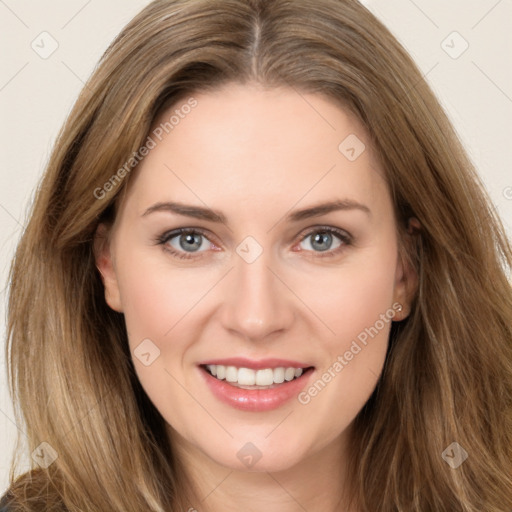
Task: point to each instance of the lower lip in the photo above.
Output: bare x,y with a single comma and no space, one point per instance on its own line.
255,400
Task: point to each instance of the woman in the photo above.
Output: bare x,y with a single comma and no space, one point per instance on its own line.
272,279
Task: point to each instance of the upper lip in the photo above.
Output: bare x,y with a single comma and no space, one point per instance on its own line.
242,362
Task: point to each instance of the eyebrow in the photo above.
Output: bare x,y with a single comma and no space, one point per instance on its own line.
325,208
198,212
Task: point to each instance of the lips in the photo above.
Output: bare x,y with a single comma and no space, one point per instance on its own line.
231,388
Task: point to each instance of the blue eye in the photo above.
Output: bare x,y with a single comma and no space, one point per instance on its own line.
325,240
189,241
184,242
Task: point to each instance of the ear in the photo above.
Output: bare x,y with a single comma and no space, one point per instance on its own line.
105,264
406,280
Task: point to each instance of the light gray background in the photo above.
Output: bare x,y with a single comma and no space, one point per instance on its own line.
36,95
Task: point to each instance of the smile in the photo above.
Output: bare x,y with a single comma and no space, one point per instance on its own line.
248,378
266,386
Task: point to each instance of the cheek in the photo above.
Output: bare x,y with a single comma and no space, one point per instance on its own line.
164,304
357,308
364,298
159,307
353,297
148,306
157,298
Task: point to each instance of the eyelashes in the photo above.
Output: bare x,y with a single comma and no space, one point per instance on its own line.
195,238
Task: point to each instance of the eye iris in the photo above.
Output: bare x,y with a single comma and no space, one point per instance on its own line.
321,238
190,241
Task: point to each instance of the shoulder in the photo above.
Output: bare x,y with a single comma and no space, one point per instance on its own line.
4,504
31,492
23,496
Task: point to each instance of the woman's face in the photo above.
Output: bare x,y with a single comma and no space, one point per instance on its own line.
288,258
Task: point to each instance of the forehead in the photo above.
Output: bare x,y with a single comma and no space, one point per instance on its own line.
253,146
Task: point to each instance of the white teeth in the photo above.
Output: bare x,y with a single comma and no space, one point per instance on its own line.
249,377
265,377
289,373
279,375
246,377
220,371
231,374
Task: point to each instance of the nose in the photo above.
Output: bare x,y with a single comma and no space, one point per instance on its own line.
258,304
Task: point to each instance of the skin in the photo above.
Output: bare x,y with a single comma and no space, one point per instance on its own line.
257,155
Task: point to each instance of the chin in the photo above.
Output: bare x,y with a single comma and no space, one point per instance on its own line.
256,456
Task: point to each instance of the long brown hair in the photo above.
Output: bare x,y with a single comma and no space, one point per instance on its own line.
448,372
